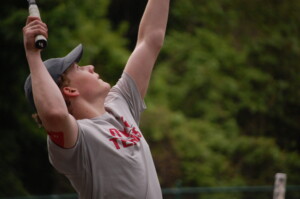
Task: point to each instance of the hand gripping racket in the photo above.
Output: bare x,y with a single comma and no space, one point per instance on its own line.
40,40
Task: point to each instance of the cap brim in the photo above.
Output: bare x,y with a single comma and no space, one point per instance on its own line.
57,66
72,57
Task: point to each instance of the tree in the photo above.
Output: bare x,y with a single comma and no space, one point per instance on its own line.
229,77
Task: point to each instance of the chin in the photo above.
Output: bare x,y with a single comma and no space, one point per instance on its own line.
106,86
104,89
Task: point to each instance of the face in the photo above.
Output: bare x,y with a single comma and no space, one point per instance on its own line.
87,82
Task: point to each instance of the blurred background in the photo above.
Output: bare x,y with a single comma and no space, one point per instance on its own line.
224,99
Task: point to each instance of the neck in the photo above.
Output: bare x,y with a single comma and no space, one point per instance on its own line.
84,110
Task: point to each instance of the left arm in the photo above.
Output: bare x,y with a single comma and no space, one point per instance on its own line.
150,40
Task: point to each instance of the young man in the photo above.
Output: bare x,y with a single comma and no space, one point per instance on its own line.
93,133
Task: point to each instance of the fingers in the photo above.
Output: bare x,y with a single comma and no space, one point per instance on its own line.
35,26
32,18
35,21
33,32
36,29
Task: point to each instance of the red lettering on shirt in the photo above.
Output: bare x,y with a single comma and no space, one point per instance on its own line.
128,132
136,132
57,138
125,122
115,132
125,145
125,133
135,139
114,140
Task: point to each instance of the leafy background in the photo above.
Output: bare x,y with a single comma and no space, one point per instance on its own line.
224,100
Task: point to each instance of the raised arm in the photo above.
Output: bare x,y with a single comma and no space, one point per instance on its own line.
150,40
48,98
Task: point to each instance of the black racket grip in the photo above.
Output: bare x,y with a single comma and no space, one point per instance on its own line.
40,40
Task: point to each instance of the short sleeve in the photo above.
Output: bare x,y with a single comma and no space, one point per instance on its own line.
62,158
127,90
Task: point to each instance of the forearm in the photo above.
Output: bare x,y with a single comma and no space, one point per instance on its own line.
47,96
154,22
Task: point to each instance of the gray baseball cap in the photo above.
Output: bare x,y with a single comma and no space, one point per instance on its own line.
56,67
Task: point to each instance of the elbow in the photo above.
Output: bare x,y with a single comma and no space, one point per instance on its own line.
156,39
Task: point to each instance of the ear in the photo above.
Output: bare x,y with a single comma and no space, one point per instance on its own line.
70,92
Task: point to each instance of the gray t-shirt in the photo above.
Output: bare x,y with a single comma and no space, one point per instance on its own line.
111,158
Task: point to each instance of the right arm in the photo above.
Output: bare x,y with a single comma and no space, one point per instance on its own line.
48,98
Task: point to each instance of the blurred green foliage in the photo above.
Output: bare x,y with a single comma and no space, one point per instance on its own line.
223,103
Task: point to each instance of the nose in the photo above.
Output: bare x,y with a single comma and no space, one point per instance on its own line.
90,68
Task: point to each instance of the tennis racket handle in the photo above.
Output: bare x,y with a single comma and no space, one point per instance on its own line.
40,40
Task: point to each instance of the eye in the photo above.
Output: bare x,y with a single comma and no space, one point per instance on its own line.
78,67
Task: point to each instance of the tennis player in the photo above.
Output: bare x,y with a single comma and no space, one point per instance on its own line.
93,129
